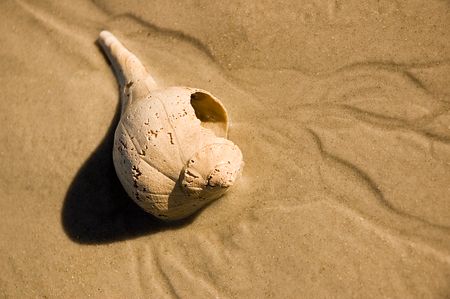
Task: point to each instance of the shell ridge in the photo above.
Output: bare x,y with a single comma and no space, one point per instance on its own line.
210,144
138,148
154,194
182,157
153,166
143,158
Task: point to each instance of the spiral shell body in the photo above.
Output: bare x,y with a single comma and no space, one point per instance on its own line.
170,148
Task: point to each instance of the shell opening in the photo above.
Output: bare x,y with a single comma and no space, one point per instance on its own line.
210,112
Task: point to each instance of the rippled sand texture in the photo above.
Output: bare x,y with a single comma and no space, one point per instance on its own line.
342,111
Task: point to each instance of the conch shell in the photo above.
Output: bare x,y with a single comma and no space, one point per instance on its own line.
170,148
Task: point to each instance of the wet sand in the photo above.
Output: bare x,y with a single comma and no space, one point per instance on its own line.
341,109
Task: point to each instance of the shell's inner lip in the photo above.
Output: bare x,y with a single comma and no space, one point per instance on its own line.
210,112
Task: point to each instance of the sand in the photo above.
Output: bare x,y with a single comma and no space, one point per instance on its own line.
341,109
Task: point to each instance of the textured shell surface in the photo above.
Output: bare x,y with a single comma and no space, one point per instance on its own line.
170,148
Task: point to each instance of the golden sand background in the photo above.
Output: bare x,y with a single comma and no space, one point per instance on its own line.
341,109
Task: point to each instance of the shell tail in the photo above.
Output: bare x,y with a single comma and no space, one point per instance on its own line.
134,80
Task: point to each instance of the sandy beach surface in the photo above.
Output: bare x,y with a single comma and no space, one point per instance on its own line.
342,112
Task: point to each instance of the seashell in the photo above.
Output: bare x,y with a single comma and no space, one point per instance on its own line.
171,151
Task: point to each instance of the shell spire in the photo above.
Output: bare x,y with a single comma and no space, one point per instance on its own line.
134,80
